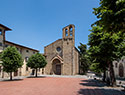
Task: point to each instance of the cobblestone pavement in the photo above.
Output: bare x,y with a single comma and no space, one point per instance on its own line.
57,85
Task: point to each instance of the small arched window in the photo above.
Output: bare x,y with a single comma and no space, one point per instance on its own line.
116,65
26,59
66,32
0,32
121,70
71,31
0,69
26,68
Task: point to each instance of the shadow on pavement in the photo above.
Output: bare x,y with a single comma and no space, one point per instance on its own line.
37,77
100,91
93,83
5,80
95,87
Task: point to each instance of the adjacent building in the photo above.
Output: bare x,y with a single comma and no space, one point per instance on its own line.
26,52
119,68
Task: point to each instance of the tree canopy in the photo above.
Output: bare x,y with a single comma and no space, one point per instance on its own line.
110,15
36,61
107,38
96,52
11,60
84,58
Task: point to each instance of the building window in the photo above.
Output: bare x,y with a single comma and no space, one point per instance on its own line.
0,69
20,51
6,45
121,70
42,70
0,32
71,31
0,44
116,65
66,32
26,59
17,48
123,60
27,50
34,52
26,68
58,49
16,73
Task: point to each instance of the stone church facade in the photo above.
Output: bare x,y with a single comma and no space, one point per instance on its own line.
62,56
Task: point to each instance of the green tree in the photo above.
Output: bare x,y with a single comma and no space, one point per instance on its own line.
96,67
111,18
36,61
113,52
110,15
84,58
96,53
11,60
105,48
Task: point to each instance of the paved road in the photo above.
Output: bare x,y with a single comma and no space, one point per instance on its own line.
54,85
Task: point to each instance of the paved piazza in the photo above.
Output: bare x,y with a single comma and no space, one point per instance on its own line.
56,86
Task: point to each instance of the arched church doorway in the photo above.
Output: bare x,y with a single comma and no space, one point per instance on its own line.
58,69
121,70
56,66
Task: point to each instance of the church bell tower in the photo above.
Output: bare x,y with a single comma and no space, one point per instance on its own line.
69,34
68,46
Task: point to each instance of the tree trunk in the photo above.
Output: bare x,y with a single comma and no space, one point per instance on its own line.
2,74
36,72
10,75
112,75
104,75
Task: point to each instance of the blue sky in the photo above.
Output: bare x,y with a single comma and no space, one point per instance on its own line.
37,23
